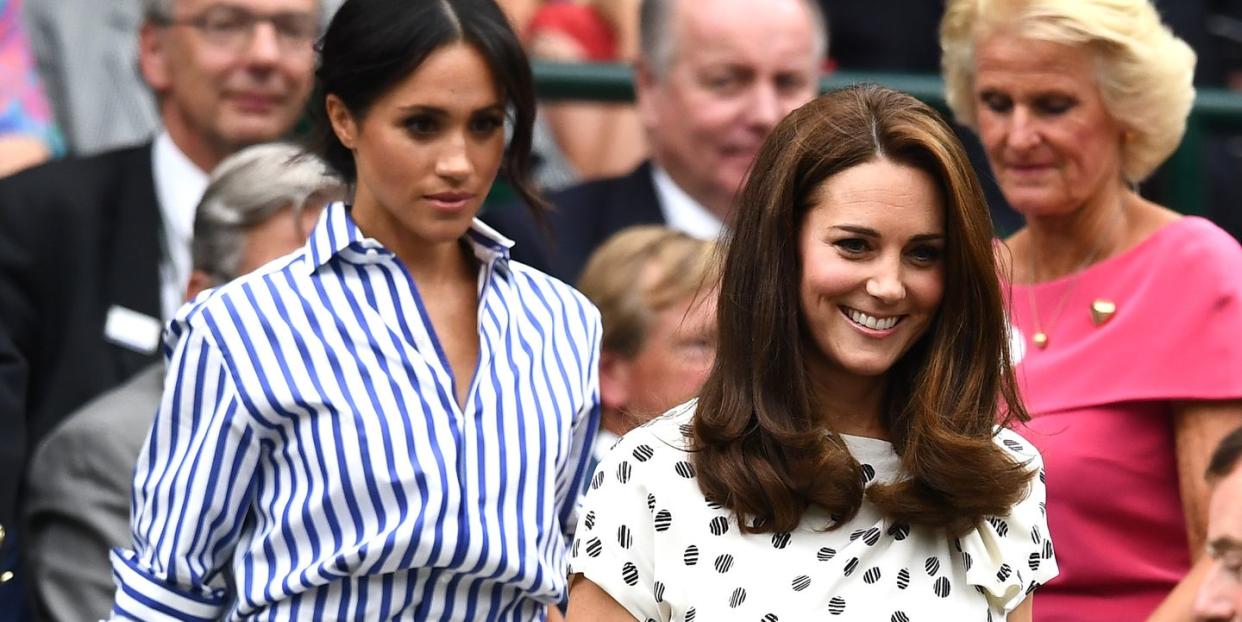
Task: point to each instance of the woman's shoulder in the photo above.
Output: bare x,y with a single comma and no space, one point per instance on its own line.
653,451
1008,557
546,288
1189,259
669,431
1200,239
235,300
1016,447
1184,246
674,424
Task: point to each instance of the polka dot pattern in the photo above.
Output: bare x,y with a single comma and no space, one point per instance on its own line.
653,542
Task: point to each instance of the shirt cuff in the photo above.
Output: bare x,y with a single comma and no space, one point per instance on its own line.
143,596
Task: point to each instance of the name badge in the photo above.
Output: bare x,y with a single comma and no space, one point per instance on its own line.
133,330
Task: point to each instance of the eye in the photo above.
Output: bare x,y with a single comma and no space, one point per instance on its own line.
225,21
486,124
996,102
723,81
1054,104
852,246
699,348
925,254
790,82
421,125
295,26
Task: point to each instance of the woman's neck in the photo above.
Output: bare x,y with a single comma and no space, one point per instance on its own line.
850,404
1062,244
429,263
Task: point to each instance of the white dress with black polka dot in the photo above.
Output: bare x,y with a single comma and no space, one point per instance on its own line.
649,538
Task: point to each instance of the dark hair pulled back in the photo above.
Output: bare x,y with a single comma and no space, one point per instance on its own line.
372,45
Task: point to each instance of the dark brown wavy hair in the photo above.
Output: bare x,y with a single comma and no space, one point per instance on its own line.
761,448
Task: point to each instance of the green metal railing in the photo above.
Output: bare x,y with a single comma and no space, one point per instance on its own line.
1188,171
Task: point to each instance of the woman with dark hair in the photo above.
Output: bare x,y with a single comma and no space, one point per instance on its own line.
395,421
844,456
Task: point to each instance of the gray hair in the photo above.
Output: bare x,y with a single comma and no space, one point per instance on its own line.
246,189
657,45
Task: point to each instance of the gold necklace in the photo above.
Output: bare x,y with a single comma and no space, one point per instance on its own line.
1040,338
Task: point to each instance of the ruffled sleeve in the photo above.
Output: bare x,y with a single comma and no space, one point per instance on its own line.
1008,557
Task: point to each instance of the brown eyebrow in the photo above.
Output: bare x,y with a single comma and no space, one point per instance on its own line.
437,111
872,233
1223,544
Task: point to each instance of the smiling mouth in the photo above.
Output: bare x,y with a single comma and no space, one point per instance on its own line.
870,321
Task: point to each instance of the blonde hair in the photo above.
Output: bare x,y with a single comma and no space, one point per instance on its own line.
640,271
1144,75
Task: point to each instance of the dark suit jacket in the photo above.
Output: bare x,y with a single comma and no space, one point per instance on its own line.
585,215
77,236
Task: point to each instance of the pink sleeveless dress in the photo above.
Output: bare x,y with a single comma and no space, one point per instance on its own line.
1100,396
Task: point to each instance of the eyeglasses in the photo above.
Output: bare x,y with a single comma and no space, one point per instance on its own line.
233,27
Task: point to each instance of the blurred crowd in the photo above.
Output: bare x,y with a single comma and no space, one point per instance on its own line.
151,150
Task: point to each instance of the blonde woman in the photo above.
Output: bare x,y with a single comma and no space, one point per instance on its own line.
1126,313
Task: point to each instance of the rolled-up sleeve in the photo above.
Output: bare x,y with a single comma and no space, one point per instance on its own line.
192,491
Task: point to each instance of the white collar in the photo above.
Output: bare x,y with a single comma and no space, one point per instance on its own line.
604,440
179,184
681,211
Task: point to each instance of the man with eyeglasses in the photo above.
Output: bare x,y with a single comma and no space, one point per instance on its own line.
94,252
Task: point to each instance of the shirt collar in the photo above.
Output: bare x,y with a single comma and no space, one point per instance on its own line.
604,440
179,184
336,233
681,211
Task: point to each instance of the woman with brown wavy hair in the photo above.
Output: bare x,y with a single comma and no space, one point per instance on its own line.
844,456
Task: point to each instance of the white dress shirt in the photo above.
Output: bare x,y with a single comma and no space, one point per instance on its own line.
310,448
681,211
179,184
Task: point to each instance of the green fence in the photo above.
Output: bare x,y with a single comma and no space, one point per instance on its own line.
1214,108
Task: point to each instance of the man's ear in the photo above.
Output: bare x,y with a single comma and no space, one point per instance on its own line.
646,83
153,57
199,281
342,120
614,381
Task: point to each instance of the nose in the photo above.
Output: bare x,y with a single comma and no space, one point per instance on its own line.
453,162
886,284
264,48
1215,600
1023,131
765,109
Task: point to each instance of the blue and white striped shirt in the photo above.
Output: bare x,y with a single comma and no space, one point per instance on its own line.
309,461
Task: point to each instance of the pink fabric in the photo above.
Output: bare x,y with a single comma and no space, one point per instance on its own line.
1100,400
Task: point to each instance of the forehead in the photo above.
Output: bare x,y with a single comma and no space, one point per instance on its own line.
452,77
1003,60
755,31
880,194
255,6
